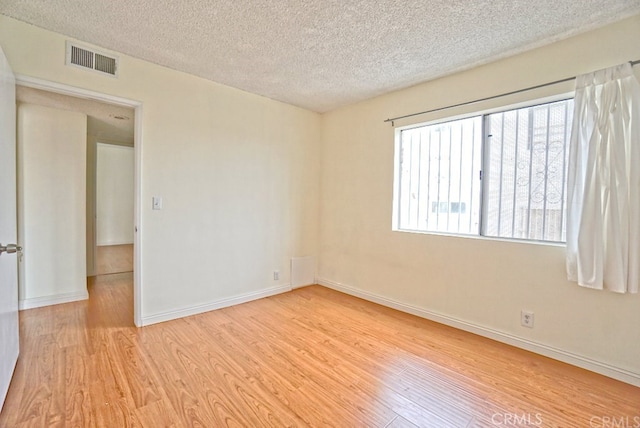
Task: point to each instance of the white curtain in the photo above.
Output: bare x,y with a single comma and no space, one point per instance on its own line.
603,186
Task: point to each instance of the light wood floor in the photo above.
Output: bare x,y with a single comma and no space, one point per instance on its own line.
311,357
114,259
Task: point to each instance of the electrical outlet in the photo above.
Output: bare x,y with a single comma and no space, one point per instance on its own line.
276,275
526,319
156,203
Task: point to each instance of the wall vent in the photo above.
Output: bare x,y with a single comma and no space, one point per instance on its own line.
83,57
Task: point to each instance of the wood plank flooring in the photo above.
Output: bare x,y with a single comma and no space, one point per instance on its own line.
114,259
311,357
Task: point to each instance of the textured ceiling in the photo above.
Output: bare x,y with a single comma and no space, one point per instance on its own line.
104,121
319,54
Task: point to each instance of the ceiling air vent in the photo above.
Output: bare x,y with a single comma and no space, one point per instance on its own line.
80,56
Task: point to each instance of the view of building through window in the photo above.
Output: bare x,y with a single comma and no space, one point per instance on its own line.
501,174
439,177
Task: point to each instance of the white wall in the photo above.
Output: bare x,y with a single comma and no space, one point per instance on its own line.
51,205
480,283
238,174
114,194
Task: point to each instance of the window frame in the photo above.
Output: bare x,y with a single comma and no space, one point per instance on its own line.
483,113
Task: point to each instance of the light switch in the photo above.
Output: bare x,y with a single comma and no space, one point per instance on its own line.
157,203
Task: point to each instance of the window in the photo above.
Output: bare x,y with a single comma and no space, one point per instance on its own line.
500,174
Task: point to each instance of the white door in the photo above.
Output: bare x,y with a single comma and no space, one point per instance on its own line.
8,230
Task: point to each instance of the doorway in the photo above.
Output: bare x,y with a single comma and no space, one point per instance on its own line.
111,122
110,170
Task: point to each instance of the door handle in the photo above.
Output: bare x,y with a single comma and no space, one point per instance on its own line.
10,248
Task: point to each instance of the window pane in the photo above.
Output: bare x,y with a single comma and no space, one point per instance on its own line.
439,189
525,172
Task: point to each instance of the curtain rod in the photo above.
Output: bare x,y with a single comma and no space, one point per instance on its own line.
530,88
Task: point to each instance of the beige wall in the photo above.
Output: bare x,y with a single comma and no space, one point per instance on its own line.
238,174
51,205
114,194
480,283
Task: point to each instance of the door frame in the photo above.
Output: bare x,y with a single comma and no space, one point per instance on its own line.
60,88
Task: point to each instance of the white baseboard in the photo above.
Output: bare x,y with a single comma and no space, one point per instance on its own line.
56,299
216,304
109,243
538,348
